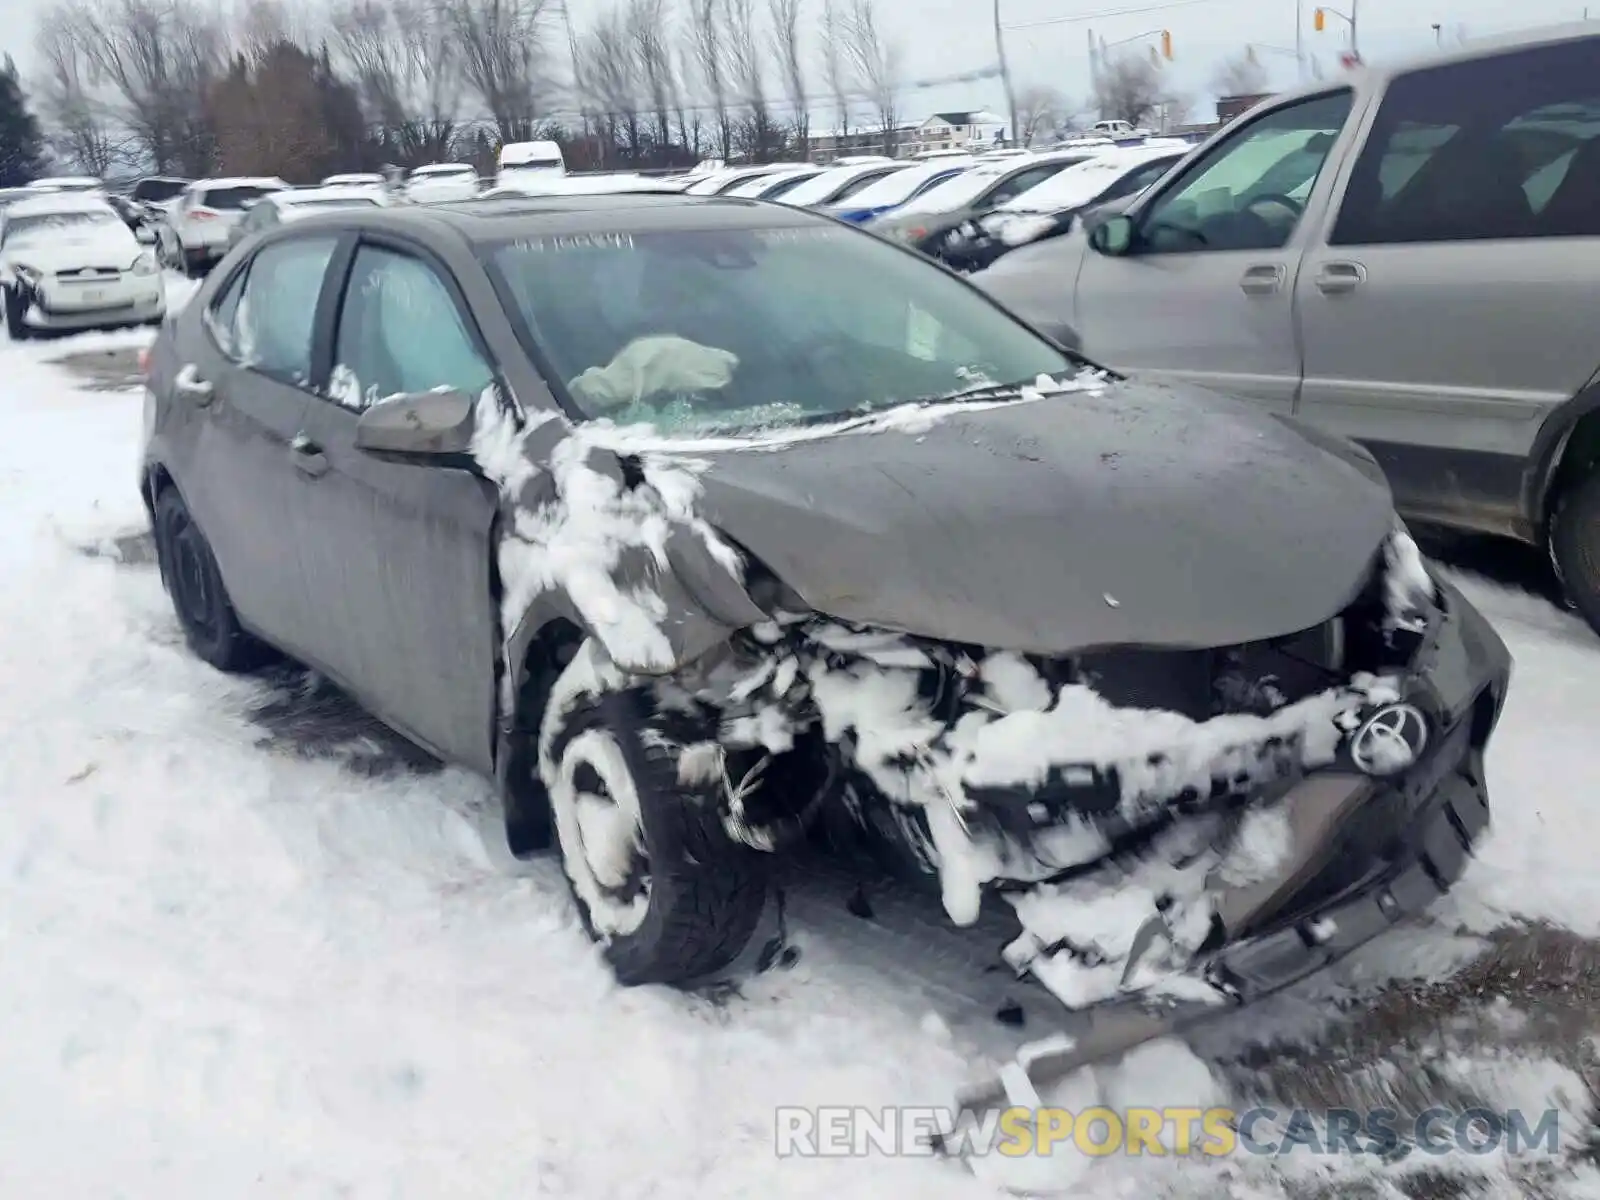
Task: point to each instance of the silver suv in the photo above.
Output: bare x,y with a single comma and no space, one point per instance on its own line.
1406,256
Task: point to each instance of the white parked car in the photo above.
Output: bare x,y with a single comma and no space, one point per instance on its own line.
298,203
69,261
196,231
773,185
437,183
840,183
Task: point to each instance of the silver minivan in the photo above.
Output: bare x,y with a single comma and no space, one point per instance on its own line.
1406,256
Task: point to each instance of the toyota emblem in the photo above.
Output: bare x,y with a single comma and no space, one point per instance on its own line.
1390,741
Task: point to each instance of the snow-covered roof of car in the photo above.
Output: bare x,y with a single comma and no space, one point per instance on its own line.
59,202
68,181
354,193
443,169
238,181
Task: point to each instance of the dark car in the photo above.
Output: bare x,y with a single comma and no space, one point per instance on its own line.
709,527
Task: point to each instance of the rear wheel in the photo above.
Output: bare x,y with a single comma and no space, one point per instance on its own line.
1575,546
189,572
657,880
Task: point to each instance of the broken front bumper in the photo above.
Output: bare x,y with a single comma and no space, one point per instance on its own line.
1366,852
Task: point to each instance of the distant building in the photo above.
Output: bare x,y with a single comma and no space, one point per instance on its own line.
1229,107
957,131
825,147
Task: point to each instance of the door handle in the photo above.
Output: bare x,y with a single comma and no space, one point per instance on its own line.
308,456
1263,280
1336,277
189,383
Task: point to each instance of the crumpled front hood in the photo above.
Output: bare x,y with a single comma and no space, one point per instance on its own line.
1140,515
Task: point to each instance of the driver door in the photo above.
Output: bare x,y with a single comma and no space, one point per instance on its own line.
399,552
1204,293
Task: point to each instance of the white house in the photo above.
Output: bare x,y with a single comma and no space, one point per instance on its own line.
956,131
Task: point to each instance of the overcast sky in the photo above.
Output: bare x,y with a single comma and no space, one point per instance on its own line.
944,37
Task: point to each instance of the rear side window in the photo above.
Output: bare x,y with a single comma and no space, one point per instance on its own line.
233,198
268,327
1505,147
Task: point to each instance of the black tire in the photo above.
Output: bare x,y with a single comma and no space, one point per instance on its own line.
1575,547
16,328
701,893
190,575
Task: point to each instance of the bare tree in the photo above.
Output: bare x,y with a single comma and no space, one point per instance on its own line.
1240,75
610,70
837,69
786,42
647,28
158,58
1129,88
404,61
876,61
707,24
746,71
503,58
75,117
691,126
1040,109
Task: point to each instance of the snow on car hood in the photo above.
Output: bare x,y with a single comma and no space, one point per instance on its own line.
112,245
1141,514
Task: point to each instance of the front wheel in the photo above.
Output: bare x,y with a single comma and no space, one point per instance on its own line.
16,312
189,571
1575,547
656,878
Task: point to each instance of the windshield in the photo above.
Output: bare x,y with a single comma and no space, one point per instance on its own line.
1075,186
157,190
703,331
533,166
31,225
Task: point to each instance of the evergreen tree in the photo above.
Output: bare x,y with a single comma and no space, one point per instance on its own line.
21,146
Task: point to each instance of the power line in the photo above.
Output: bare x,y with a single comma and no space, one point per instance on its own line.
1111,12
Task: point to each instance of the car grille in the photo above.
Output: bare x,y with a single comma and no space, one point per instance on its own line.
90,275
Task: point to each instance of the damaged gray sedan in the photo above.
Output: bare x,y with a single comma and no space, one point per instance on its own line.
709,529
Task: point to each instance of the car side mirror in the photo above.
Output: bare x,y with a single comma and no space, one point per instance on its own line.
1113,236
418,425
145,235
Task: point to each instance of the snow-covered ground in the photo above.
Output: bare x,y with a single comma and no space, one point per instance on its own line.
230,965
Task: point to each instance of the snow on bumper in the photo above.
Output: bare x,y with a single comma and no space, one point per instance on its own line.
1128,837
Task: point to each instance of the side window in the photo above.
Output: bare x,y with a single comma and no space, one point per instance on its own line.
1018,184
277,308
1242,195
1503,147
1136,181
400,331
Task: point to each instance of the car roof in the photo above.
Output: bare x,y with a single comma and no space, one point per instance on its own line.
59,202
236,181
512,217
312,195
1477,48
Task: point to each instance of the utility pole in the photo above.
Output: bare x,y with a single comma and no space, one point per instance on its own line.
1355,50
1299,42
1005,73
